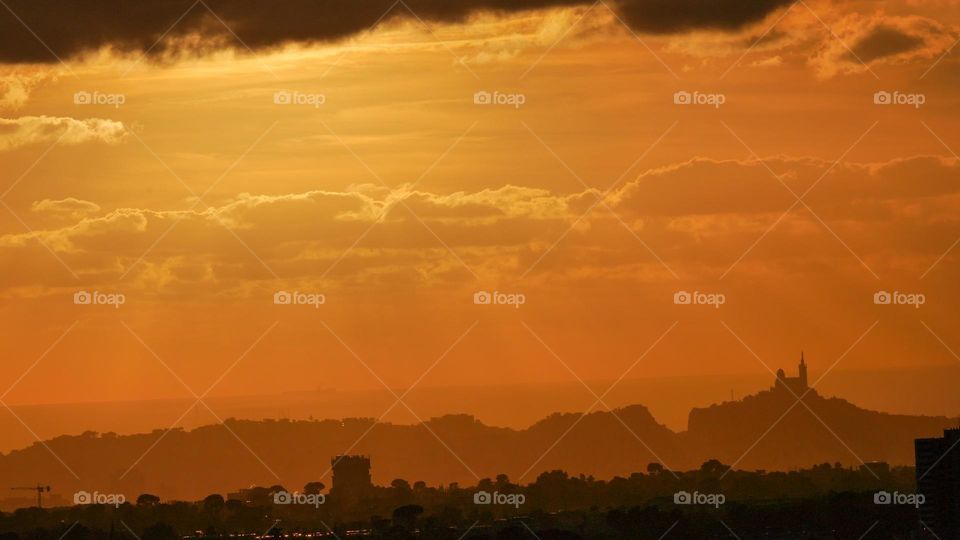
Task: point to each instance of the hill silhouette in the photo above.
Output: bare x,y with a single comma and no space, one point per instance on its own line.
191,464
786,433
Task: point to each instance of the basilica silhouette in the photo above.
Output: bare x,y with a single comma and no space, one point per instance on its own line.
797,385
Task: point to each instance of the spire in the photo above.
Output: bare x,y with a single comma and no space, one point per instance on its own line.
802,371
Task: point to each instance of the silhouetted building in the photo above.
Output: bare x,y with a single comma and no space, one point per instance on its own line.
797,384
938,479
351,478
880,469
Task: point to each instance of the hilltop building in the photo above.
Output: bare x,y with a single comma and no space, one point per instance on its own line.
798,385
351,478
938,479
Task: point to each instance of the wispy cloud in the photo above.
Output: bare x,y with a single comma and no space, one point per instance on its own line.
28,130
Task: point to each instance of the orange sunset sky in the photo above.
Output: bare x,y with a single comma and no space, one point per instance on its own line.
198,196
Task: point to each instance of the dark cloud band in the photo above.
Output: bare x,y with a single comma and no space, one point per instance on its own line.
71,27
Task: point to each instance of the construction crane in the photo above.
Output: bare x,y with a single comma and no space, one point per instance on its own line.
39,489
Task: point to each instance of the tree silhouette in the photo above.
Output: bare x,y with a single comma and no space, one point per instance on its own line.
713,467
213,504
313,488
146,499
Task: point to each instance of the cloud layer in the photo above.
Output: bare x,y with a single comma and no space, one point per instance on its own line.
41,29
882,39
27,130
699,215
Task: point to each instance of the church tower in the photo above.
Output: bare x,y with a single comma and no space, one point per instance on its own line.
803,372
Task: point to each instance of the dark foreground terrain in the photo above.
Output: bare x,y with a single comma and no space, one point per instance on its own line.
826,501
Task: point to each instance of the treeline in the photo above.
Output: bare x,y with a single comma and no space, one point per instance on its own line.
822,501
